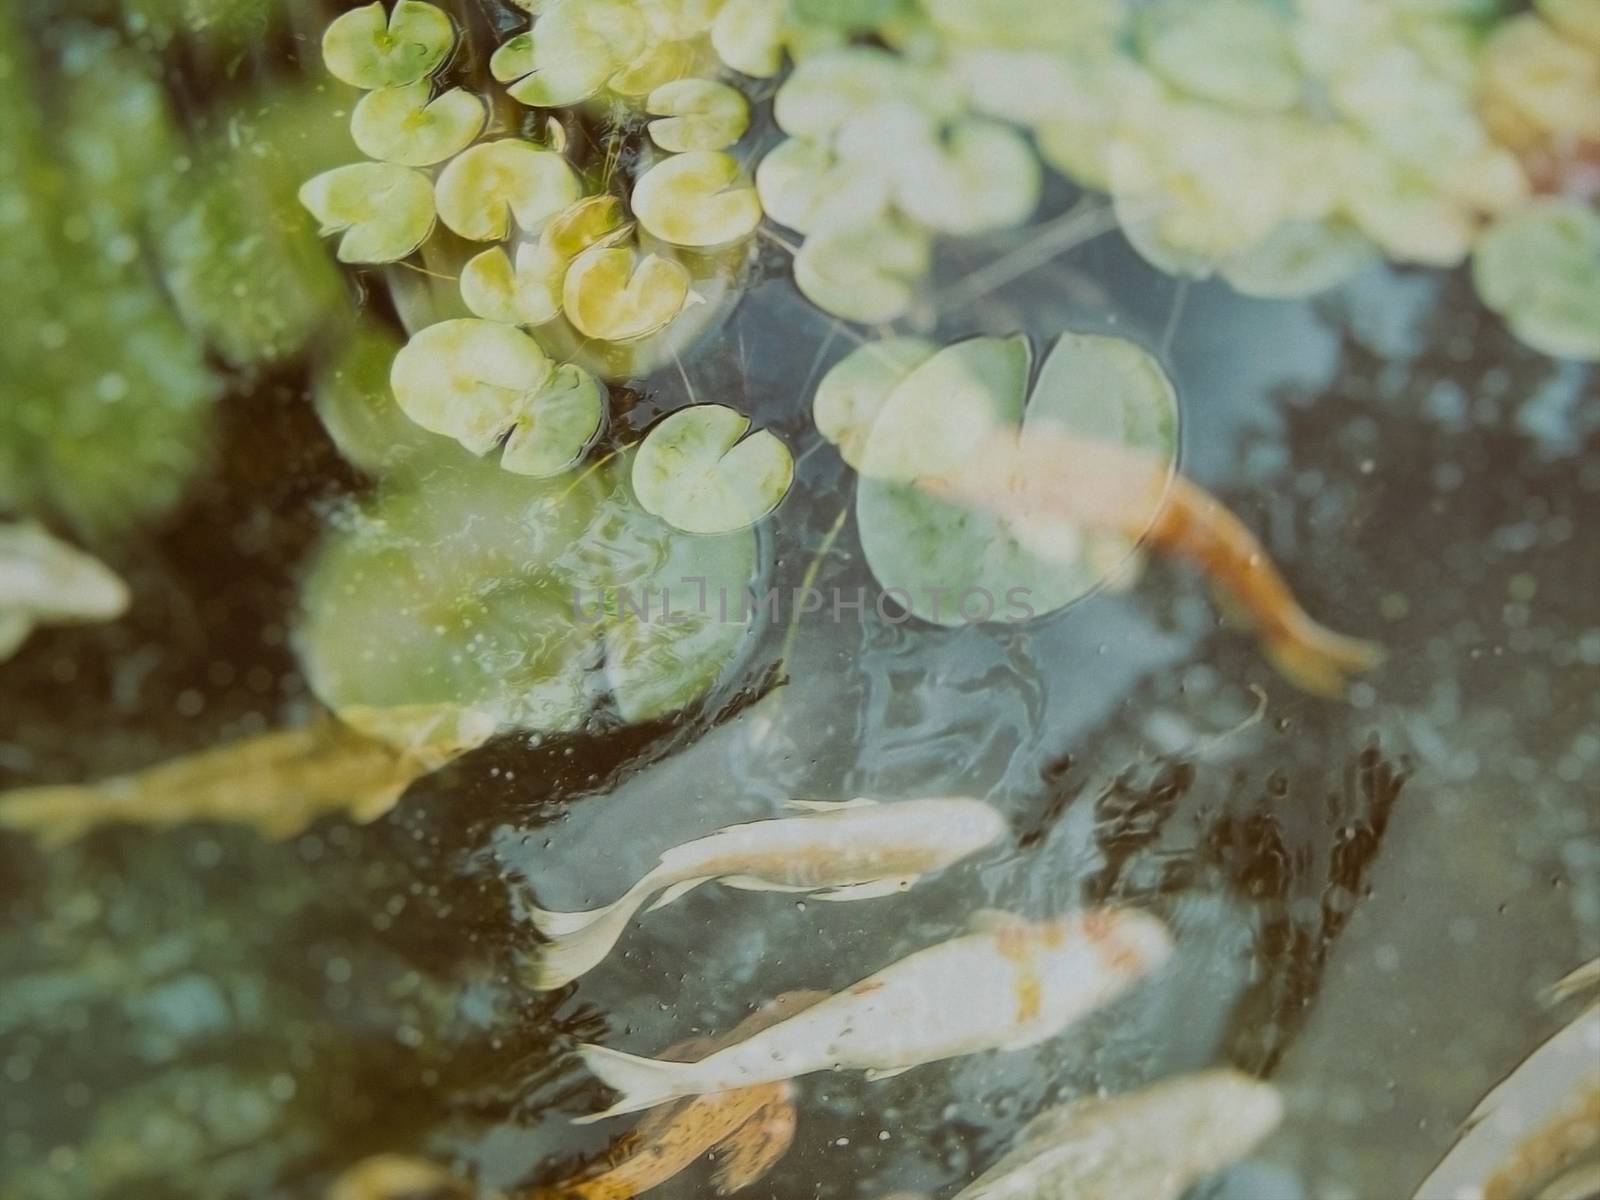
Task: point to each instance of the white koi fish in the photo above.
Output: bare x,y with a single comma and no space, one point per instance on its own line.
44,581
851,850
1153,1143
1010,985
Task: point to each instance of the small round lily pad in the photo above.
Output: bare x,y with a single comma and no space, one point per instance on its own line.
469,379
952,562
571,52
697,114
528,293
385,211
827,91
698,471
850,396
979,176
696,199
1539,268
1233,52
613,294
660,64
403,125
1300,258
748,36
802,183
364,50
558,425
489,184
867,273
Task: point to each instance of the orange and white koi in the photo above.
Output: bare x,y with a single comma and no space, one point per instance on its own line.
852,850
1153,1143
748,1130
1047,475
1010,985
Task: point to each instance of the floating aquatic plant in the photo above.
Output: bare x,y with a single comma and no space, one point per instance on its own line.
698,471
383,211
368,50
696,199
489,186
932,553
511,599
1539,268
697,114
411,126
485,384
614,293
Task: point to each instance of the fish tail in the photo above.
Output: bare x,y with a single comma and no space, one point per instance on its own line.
1317,660
56,815
643,1082
578,942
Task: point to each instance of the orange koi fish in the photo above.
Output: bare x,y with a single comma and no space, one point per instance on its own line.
1048,476
749,1129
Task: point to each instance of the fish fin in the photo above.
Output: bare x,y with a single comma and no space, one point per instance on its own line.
871,890
886,1073
1572,984
678,891
57,815
993,920
754,1148
643,1082
15,628
751,883
1319,661
826,806
579,948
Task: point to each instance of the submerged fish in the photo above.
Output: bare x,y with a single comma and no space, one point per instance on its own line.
1049,475
277,782
398,1177
1151,1144
853,850
1010,985
44,581
748,1129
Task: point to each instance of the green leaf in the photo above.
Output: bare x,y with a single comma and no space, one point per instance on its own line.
851,395
699,472
488,185
696,199
697,114
469,379
950,562
613,294
384,211
867,273
351,393
403,125
1539,268
364,50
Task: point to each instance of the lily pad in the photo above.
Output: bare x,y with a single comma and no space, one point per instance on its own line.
571,53
980,176
953,563
384,210
696,199
613,294
851,395
802,183
1238,53
829,90
660,64
528,293
402,125
748,35
1539,268
1301,258
364,50
470,380
351,393
489,185
697,114
699,472
867,273
469,586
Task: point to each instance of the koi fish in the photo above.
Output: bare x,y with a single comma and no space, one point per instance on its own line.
850,850
1541,1121
1047,475
748,1129
398,1177
44,581
1154,1143
278,782
1009,985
